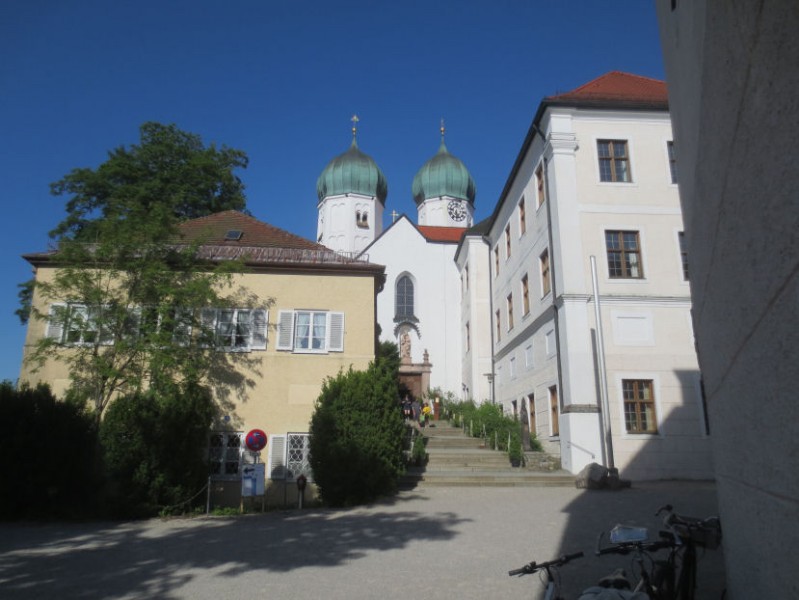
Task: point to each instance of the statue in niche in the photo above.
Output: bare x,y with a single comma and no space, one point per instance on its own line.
405,346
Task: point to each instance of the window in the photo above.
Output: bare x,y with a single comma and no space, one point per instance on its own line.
468,338
512,367
509,300
507,241
77,325
525,296
522,218
289,457
362,219
224,454
496,261
683,255
404,298
539,184
624,254
672,161
298,456
553,410
528,356
614,162
307,331
546,285
234,329
499,327
531,412
639,406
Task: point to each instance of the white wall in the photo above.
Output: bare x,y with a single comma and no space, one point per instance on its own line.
733,74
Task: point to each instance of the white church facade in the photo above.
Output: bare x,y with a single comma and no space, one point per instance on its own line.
506,309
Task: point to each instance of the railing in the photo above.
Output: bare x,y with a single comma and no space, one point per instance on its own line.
591,454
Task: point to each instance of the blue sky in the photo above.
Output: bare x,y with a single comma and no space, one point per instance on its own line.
280,79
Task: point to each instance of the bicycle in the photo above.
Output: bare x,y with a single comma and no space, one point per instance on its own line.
549,567
683,536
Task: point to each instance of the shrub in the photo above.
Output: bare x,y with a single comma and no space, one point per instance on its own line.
487,420
418,451
49,455
357,434
154,449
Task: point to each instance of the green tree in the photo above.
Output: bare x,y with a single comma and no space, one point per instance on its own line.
170,175
153,449
126,294
49,455
357,436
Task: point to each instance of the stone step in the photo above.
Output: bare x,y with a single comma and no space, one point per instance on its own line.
508,478
456,459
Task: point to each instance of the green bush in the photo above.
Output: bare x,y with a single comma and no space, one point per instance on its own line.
487,421
357,434
154,449
49,455
418,451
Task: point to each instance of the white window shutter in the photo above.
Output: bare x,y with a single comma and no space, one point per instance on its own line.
276,462
55,322
335,330
285,330
259,318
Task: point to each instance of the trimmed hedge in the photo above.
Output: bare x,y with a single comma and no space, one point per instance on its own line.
357,436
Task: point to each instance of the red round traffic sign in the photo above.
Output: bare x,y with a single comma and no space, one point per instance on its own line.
255,440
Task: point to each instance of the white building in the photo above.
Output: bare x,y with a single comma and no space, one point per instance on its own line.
421,297
734,93
596,178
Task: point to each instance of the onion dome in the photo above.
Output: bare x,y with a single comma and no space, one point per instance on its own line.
443,175
353,172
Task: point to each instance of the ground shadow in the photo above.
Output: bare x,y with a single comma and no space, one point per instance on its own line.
152,559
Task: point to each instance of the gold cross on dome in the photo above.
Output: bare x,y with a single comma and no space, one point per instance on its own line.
442,128
354,120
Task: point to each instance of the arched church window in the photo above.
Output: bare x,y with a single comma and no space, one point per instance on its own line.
404,298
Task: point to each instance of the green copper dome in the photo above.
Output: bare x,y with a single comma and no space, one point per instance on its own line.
443,175
352,173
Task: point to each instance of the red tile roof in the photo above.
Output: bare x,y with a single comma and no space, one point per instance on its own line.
211,230
441,234
616,87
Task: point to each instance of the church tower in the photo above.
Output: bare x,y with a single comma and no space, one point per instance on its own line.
352,194
444,191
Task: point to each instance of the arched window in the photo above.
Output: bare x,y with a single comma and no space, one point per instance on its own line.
404,298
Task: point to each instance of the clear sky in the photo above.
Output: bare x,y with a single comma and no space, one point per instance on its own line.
280,79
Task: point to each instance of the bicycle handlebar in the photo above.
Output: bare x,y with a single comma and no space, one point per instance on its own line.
702,532
627,547
532,567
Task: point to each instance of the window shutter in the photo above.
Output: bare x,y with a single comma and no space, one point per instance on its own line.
277,457
55,322
285,330
335,332
258,321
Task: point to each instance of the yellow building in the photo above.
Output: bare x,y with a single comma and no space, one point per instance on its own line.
321,319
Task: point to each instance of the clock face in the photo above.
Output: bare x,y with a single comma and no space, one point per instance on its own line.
456,210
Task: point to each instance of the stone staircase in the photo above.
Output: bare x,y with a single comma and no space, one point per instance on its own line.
457,460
